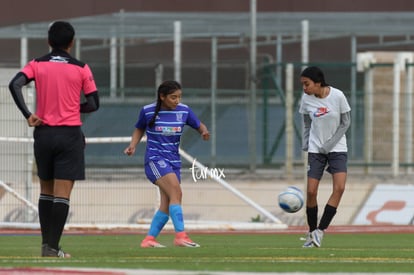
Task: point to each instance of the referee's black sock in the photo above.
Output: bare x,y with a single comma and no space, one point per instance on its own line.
59,215
45,205
327,216
312,216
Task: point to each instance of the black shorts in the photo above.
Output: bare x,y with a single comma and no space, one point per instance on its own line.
336,161
59,152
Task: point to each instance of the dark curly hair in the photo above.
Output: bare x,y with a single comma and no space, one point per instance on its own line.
166,88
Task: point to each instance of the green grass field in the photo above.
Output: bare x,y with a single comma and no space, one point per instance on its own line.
222,252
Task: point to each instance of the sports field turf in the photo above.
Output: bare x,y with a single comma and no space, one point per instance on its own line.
351,252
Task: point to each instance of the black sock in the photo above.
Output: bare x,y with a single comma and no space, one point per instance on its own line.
327,217
312,216
59,215
45,205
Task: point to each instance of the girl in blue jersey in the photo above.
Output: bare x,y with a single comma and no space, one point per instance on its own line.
163,123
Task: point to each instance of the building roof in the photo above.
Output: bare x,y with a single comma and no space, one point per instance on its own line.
153,25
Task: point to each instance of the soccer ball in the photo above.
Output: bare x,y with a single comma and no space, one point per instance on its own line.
291,199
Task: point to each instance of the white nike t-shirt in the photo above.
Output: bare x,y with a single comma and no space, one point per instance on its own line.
326,117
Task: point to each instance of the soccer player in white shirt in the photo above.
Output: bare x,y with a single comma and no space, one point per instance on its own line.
326,118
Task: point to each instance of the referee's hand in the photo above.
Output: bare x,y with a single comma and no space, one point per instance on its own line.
34,120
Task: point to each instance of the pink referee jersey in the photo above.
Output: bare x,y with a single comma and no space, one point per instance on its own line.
59,80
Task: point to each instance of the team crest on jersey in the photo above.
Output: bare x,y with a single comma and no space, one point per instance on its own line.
162,163
179,117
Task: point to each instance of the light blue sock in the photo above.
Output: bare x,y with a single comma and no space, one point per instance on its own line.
158,221
176,213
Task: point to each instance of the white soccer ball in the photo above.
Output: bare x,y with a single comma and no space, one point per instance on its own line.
291,199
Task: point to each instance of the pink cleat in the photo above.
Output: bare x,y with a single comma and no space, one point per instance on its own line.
150,241
181,239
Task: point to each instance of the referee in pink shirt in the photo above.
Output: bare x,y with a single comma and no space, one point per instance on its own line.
59,143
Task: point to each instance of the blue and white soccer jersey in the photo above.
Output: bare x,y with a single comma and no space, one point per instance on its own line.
163,138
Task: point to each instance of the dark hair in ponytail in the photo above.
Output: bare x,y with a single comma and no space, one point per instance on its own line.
166,88
315,74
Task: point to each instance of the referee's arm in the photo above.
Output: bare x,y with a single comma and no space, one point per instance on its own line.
91,104
15,88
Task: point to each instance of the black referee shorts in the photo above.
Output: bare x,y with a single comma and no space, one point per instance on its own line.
336,161
59,152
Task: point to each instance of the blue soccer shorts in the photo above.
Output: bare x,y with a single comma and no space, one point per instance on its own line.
158,167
